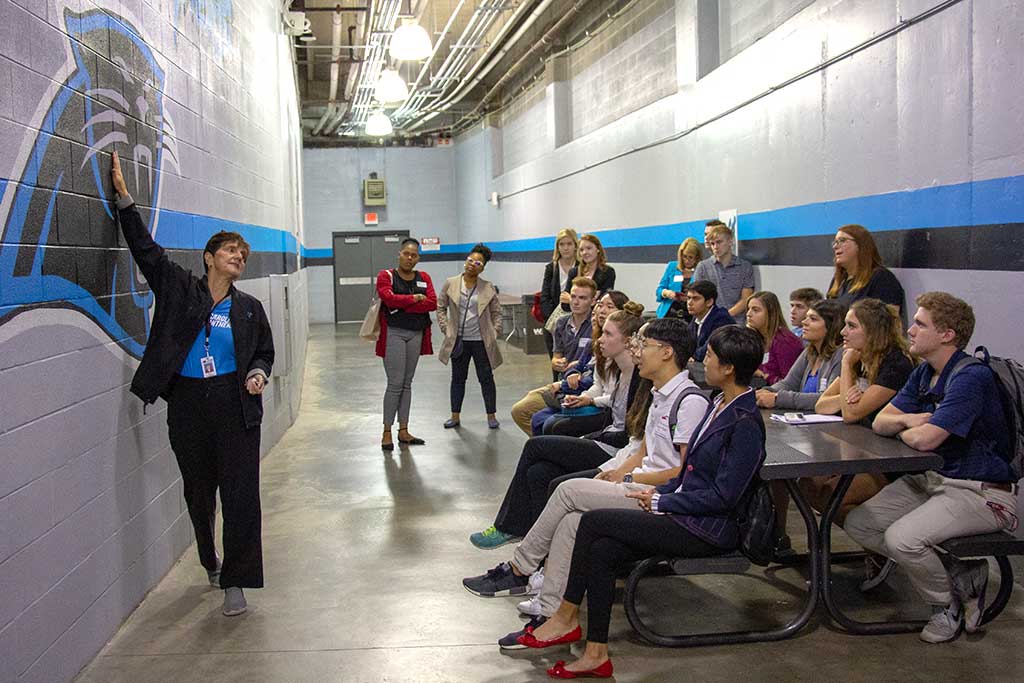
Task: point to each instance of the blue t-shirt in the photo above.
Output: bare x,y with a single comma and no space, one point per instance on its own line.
222,344
811,385
970,410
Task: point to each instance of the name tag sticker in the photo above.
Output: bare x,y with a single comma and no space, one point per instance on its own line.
209,367
677,278
764,358
421,285
584,341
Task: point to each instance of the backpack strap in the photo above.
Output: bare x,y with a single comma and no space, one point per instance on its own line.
673,416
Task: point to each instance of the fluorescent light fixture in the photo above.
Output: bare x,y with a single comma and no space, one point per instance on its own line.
378,125
410,43
390,88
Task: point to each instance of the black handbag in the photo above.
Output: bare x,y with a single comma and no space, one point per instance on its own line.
755,518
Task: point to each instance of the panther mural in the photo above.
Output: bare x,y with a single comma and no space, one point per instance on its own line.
123,111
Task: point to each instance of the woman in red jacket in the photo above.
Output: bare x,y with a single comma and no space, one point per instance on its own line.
406,299
781,346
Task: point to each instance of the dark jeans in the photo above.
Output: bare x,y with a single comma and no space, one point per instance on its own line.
543,458
608,540
577,425
215,451
460,371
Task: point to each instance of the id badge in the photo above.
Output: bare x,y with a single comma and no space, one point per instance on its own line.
677,278
209,367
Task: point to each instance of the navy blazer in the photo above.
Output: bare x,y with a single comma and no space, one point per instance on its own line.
717,317
719,469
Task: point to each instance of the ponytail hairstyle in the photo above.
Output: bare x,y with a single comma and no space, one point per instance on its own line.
627,321
883,332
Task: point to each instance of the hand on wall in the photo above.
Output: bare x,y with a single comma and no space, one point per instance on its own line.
117,178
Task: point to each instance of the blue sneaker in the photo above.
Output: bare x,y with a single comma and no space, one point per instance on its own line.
498,581
491,538
511,641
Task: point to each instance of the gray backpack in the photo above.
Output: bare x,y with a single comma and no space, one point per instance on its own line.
1009,377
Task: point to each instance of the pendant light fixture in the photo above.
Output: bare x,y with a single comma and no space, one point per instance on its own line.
391,88
378,125
410,42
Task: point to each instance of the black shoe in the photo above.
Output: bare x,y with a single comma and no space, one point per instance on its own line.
499,581
511,640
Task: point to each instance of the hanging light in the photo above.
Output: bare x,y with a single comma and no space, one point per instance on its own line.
378,125
391,88
410,42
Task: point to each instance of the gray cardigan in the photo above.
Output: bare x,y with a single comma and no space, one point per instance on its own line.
789,395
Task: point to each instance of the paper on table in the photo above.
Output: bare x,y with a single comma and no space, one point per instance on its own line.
805,418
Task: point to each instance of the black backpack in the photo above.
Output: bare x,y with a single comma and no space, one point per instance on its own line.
755,518
1009,377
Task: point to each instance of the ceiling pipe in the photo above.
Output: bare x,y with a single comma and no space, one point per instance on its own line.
332,107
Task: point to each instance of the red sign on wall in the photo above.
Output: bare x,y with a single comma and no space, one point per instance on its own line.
370,218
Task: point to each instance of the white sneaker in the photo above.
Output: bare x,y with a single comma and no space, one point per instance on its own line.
945,625
530,607
536,582
969,580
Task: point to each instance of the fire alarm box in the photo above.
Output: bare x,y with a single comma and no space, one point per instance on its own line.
374,192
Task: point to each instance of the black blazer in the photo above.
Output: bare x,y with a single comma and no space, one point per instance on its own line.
550,290
718,316
183,304
604,277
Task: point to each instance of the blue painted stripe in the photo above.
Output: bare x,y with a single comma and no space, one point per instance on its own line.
316,253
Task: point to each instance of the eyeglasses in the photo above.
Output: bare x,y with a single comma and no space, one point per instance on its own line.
840,241
474,262
636,343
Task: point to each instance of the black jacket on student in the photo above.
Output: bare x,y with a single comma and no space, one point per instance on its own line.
604,278
551,289
716,317
183,305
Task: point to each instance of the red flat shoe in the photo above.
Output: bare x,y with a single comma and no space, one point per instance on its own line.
530,640
603,671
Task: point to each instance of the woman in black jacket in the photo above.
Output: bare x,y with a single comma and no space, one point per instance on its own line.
591,262
556,275
209,355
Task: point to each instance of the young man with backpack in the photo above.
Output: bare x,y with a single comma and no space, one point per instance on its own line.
952,405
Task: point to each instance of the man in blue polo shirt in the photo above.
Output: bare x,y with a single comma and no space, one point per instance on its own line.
974,492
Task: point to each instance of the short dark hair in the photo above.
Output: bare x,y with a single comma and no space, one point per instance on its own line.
706,288
676,333
410,240
620,299
740,347
483,250
807,295
220,239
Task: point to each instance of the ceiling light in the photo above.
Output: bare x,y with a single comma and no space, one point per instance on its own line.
307,37
391,88
410,42
378,125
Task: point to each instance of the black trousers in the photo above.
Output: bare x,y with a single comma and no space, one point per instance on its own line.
460,372
608,540
543,459
577,425
215,451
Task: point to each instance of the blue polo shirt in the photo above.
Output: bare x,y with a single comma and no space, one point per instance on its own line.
222,344
971,411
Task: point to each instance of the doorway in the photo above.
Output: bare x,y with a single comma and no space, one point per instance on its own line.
358,257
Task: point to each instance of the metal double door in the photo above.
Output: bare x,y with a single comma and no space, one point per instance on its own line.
358,257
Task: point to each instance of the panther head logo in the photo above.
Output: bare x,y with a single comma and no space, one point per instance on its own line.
123,112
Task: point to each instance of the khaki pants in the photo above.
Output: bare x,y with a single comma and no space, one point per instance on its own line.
554,533
907,519
524,409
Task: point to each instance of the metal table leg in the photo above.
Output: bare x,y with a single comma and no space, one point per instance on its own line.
787,631
848,624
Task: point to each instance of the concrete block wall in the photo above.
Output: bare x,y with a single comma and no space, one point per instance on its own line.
744,22
198,99
524,127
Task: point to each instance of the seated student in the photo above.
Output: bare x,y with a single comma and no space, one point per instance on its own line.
545,458
818,365
572,347
694,514
660,444
732,275
961,418
799,301
612,379
708,316
781,346
577,379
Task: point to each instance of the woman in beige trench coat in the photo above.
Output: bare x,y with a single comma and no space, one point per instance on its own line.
470,319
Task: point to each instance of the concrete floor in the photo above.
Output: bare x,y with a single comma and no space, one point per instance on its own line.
364,555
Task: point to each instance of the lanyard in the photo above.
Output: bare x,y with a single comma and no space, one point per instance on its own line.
209,325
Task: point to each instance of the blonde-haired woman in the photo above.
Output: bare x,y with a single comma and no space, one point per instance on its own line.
859,271
671,294
592,262
556,277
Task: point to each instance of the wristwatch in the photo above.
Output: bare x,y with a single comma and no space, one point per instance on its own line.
628,479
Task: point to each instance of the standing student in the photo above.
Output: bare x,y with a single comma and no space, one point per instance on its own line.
693,515
573,337
209,354
556,277
708,316
799,301
469,316
959,415
708,227
406,299
671,292
592,262
859,271
781,346
732,275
